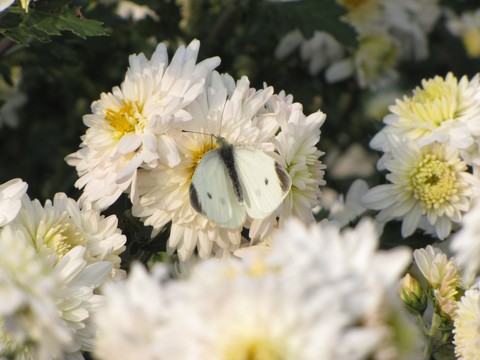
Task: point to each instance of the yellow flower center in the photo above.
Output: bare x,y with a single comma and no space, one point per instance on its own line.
61,235
255,348
433,182
198,154
125,119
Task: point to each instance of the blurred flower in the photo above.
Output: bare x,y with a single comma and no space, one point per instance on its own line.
139,332
321,51
467,326
467,27
318,294
127,127
353,162
429,183
345,211
30,323
4,4
372,63
443,110
11,194
13,98
443,278
129,9
466,243
164,192
79,250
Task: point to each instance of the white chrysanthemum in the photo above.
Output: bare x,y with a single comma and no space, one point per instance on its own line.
30,324
164,192
126,129
430,182
80,250
11,194
466,243
467,326
59,226
318,295
297,153
443,110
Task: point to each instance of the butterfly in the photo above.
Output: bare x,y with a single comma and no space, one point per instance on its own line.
234,180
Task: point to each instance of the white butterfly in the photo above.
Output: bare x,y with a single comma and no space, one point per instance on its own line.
237,179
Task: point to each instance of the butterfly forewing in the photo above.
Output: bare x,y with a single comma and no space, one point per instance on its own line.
264,182
212,192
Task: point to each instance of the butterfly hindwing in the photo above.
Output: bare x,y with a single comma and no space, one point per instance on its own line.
212,193
264,182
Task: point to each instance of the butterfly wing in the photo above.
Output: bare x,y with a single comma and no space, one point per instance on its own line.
265,183
211,192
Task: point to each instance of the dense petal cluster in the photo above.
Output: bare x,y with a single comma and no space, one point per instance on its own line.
126,130
53,259
430,149
318,294
147,137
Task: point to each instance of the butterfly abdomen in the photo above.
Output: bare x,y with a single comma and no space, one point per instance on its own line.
228,158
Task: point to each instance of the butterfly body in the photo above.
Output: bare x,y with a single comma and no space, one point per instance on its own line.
235,180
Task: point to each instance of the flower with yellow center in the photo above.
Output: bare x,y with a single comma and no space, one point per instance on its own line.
164,192
443,110
127,128
429,183
319,294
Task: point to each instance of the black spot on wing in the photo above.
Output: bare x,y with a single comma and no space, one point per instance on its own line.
194,199
266,181
209,195
285,181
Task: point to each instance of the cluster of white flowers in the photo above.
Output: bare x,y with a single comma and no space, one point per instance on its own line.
136,143
387,30
53,259
319,294
430,146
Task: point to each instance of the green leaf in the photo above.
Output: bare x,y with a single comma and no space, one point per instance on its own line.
10,20
73,21
311,15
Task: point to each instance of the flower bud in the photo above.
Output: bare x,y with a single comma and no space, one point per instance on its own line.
412,293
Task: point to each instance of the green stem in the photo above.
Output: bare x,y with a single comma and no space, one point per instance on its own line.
436,323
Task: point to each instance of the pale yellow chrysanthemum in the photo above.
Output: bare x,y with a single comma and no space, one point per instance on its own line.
430,184
467,327
443,110
442,276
